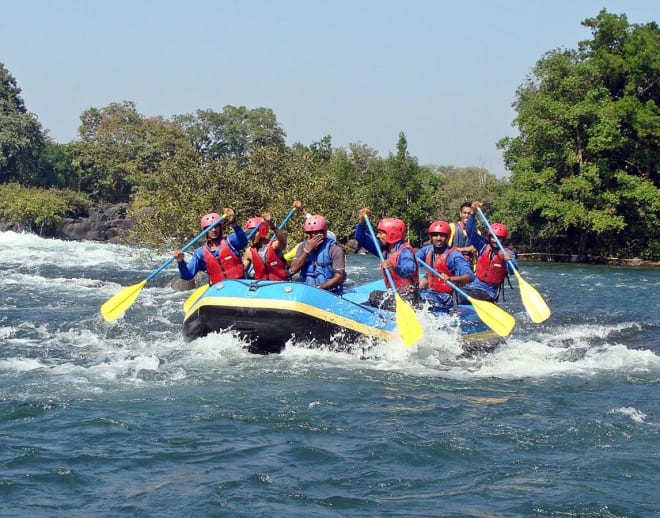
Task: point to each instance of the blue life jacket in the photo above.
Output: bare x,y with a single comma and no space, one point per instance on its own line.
318,267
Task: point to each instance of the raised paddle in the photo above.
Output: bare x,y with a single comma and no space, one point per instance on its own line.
406,319
284,222
116,305
535,305
199,291
493,316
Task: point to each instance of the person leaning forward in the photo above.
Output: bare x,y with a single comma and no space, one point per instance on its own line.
398,258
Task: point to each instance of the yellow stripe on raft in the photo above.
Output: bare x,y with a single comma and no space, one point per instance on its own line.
292,305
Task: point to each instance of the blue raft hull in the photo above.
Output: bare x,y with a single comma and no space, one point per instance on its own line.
268,314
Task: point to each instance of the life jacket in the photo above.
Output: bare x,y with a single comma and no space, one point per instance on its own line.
401,283
272,267
318,267
491,269
459,238
227,265
439,263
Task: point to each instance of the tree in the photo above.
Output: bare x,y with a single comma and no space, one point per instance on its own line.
21,136
55,167
401,188
121,150
588,151
232,133
461,184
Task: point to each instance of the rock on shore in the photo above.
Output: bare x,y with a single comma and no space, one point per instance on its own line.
105,224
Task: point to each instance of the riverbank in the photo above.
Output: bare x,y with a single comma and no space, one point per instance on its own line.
109,224
583,259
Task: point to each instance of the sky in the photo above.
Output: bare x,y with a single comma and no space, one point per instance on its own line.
443,72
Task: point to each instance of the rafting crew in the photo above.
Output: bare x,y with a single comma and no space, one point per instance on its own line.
320,261
493,266
265,258
450,264
398,258
220,256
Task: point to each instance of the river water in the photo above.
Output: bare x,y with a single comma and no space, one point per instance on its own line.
128,419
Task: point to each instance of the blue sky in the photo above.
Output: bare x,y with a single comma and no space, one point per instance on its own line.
445,73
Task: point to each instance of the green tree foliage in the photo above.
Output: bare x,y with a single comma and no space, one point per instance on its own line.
55,166
461,184
585,165
401,188
21,136
121,150
38,210
232,133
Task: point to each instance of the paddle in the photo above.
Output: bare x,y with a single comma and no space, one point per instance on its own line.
493,316
406,318
116,305
534,303
201,289
284,222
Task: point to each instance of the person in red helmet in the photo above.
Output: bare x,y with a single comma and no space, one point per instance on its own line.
492,265
399,258
220,256
320,260
449,262
265,259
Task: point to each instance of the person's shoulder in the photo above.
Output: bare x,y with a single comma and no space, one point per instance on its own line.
455,255
334,247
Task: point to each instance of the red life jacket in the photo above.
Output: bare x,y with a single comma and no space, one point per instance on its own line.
226,266
401,283
273,269
439,263
491,269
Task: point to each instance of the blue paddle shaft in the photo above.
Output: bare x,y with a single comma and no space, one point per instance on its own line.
185,247
437,274
490,229
380,253
284,222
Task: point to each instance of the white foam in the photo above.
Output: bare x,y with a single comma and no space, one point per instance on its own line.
129,350
16,247
634,414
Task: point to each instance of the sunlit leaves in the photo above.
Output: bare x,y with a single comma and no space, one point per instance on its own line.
587,118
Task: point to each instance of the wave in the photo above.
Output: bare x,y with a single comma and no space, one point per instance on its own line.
51,331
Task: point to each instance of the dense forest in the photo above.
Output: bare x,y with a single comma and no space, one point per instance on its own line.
583,168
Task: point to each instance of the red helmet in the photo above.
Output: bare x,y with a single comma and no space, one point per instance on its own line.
499,230
395,229
316,223
439,227
257,222
208,219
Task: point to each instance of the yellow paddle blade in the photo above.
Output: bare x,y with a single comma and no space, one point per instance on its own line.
494,316
113,308
536,307
194,296
406,320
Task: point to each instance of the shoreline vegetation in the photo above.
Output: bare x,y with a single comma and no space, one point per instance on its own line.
109,224
542,257
584,183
